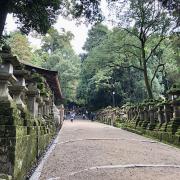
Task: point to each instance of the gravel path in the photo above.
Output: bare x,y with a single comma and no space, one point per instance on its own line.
88,150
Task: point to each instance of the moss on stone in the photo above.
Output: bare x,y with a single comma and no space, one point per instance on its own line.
22,140
5,177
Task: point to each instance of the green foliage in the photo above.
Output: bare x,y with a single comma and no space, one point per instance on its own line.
100,77
61,57
42,85
146,26
95,36
53,40
114,63
39,57
68,69
173,7
20,46
40,15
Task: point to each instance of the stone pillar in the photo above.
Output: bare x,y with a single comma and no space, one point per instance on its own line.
129,114
134,113
32,94
141,116
176,110
146,117
168,112
152,117
51,106
137,116
41,104
45,104
61,113
160,114
113,117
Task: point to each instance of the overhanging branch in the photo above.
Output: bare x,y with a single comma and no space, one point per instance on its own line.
155,72
132,45
130,32
123,66
154,49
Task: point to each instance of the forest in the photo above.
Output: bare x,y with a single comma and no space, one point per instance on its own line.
136,59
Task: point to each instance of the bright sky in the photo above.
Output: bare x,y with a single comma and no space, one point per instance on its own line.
80,31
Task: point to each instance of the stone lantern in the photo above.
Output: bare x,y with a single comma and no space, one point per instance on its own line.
168,114
160,114
19,88
141,114
146,116
152,110
46,107
6,75
174,92
41,104
32,95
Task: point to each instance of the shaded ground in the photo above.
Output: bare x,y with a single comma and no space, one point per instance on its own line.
92,151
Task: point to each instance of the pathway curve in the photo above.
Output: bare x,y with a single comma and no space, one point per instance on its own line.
88,150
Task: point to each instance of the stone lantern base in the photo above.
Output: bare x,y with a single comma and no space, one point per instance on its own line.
174,126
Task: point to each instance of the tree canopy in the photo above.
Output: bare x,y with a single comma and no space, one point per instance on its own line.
40,15
58,54
20,46
109,67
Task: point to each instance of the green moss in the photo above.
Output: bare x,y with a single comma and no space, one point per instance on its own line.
174,89
5,177
42,85
22,140
165,137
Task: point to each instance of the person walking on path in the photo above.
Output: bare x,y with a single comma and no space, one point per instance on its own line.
72,116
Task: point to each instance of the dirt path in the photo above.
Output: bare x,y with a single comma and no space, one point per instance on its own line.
88,150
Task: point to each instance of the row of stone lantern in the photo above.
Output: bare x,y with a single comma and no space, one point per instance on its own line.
39,106
13,87
163,115
108,115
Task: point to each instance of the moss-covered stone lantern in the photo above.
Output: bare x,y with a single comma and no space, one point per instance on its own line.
175,96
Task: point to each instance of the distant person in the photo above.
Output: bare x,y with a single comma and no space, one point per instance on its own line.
84,116
87,114
72,114
93,116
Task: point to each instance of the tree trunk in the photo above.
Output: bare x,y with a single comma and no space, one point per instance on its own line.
148,87
146,79
3,15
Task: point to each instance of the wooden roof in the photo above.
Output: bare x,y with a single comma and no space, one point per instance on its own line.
51,78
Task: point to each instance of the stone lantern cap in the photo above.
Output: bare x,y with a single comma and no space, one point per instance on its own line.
175,89
7,57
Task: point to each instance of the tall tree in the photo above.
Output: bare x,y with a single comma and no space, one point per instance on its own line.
61,57
20,46
55,40
99,78
143,21
107,69
95,36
